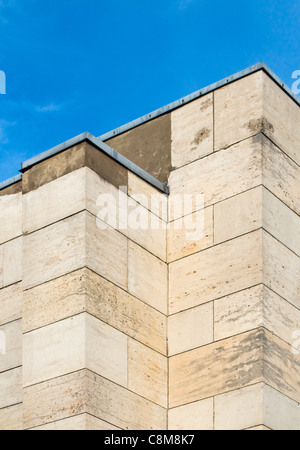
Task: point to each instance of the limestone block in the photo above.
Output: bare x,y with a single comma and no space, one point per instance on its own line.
281,366
216,368
240,409
10,387
86,392
54,300
10,217
106,351
190,234
239,312
252,308
11,418
253,209
113,207
54,201
54,251
281,269
73,344
192,131
216,272
106,252
121,407
256,407
239,110
220,175
13,352
10,303
193,416
280,411
147,277
190,329
280,221
152,199
147,373
11,262
54,400
77,423
280,174
283,115
84,290
125,312
238,215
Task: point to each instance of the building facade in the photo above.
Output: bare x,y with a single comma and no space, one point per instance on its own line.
150,277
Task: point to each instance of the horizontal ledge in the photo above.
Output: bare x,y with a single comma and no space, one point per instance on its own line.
97,142
189,98
10,181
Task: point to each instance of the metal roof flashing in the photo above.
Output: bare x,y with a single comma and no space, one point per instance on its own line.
10,182
102,147
99,143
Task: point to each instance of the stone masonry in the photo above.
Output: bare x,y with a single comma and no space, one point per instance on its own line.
132,328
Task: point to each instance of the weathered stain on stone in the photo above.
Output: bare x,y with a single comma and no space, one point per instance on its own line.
261,125
11,190
201,135
206,104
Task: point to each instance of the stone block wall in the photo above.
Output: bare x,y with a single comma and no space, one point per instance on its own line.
129,328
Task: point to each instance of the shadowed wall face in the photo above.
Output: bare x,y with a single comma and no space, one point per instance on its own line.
148,146
195,331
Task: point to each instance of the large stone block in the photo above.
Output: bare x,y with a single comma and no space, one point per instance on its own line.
281,174
147,277
54,300
193,416
234,363
148,196
283,116
72,244
10,303
106,252
239,110
281,269
54,201
216,272
11,387
54,251
81,422
216,368
11,418
240,409
147,373
219,175
13,345
190,329
253,209
11,217
85,291
256,407
192,131
86,392
133,218
238,215
126,313
74,344
11,262
190,234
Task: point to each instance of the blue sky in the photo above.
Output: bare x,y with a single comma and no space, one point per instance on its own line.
91,65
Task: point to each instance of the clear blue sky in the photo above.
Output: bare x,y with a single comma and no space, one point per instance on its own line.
93,65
